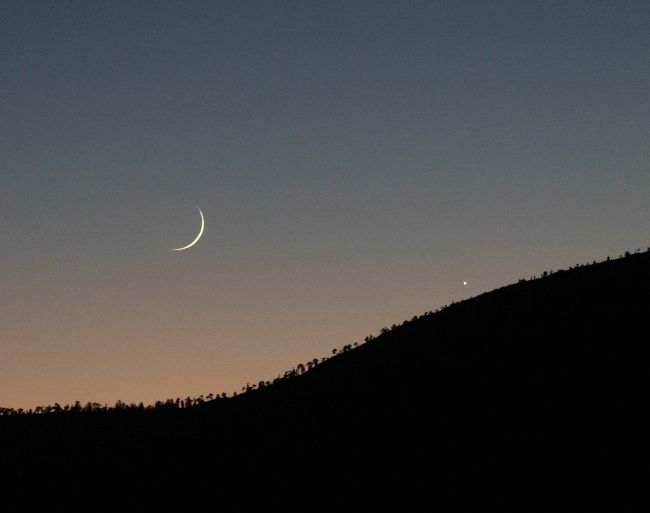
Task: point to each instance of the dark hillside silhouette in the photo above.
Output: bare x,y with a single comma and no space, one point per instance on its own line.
534,396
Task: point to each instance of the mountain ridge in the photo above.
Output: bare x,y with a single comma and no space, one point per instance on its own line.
532,394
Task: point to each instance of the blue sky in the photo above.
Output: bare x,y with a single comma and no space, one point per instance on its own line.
355,161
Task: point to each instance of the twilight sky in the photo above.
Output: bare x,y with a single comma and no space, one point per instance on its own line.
355,162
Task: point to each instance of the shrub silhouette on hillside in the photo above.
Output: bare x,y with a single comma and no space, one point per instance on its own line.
298,370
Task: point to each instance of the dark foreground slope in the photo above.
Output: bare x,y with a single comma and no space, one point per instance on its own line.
532,396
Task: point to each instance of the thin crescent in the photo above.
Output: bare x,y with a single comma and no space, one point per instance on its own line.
197,237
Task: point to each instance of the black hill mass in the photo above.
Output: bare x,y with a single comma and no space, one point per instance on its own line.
533,396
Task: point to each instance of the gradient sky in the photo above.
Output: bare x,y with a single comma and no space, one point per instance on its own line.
355,161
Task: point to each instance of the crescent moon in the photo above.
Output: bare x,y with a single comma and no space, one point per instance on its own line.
197,237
